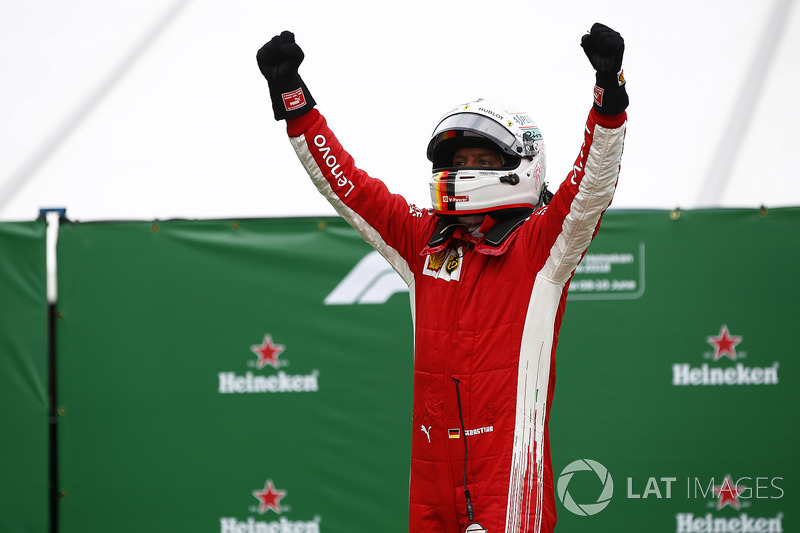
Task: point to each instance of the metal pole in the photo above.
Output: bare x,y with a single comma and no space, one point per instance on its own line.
49,146
742,112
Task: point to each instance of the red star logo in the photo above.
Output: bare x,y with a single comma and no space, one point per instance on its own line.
267,352
269,498
724,344
728,494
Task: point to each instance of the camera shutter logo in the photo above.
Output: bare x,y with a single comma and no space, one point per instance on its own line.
585,509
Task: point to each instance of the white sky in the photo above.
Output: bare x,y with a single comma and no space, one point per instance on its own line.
186,129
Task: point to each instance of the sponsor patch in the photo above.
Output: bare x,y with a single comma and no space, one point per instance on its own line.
436,261
445,265
598,96
453,263
294,99
446,199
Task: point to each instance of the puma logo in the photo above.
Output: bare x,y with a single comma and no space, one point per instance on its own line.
427,431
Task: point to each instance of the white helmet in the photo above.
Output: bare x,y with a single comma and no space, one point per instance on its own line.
519,183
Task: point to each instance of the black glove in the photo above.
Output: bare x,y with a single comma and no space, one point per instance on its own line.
278,61
604,48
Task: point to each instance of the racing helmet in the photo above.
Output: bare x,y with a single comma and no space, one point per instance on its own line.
519,183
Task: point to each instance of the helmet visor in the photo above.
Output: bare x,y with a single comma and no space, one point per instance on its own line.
479,125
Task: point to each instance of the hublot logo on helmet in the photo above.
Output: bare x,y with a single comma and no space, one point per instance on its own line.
490,112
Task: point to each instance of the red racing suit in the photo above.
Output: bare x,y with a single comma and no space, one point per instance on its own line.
486,323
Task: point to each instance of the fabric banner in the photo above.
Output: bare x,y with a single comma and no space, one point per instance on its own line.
675,403
24,419
208,387
255,375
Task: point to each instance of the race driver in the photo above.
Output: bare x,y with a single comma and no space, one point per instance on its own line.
488,267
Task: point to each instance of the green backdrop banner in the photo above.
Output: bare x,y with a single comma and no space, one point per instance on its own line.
255,375
208,387
23,378
684,386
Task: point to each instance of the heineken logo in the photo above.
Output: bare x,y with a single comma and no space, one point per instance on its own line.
724,343
267,358
685,374
270,509
269,498
267,352
742,523
232,383
724,346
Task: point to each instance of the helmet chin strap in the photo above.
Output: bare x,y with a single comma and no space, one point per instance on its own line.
505,226
472,224
507,222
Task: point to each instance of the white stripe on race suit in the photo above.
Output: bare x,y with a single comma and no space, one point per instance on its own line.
354,219
532,385
594,195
